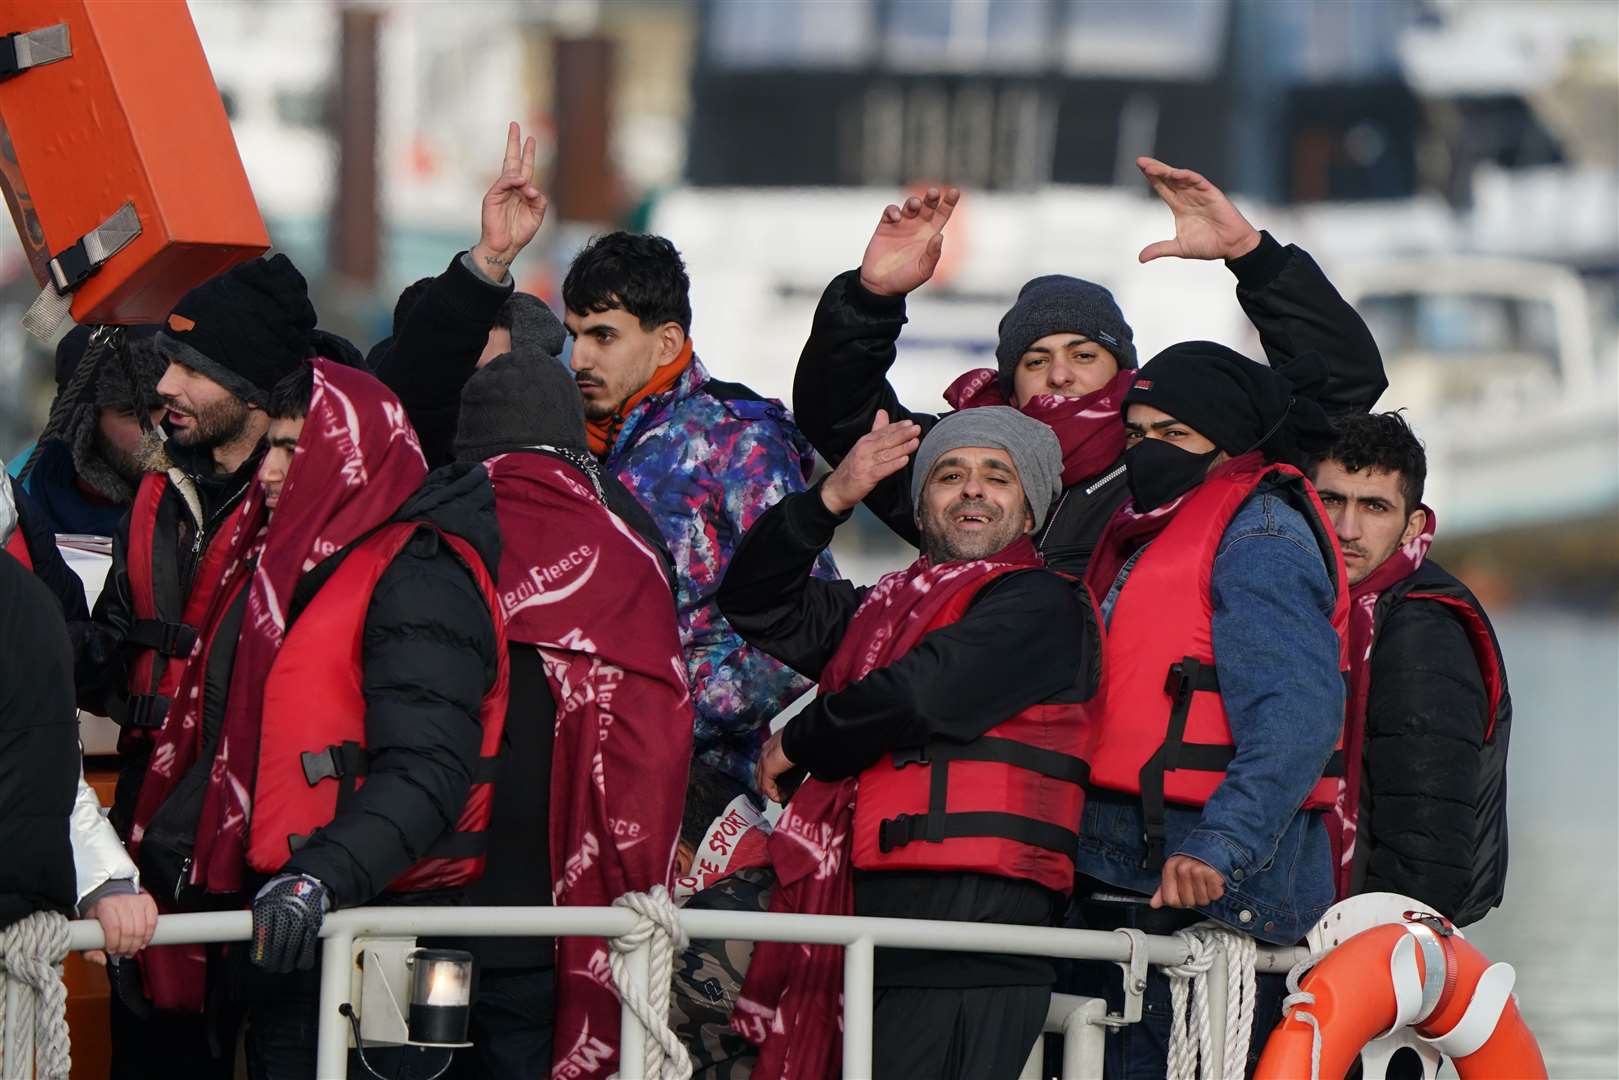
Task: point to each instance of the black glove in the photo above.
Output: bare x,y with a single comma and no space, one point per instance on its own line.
287,914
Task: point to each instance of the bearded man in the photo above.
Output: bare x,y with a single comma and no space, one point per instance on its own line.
944,745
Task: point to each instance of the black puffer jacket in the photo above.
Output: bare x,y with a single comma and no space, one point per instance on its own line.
1433,819
429,658
39,749
842,380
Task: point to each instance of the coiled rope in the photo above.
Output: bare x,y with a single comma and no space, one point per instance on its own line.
657,921
1191,1042
31,951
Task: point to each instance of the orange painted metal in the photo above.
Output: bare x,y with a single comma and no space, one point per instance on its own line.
133,116
1355,1003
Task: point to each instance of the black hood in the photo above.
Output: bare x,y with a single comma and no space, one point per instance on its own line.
459,499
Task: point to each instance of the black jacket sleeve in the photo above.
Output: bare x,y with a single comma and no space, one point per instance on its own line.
842,380
436,351
39,749
768,595
1020,643
1296,310
429,657
49,565
1426,716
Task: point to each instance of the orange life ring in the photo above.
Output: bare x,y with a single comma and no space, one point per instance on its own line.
1417,974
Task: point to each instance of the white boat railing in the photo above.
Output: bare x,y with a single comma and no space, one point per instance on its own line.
1080,1020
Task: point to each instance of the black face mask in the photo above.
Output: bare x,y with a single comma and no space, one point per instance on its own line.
1158,472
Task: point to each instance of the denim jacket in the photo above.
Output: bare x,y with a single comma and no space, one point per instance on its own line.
1277,656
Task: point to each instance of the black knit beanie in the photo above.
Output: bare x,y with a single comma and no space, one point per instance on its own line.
245,329
1237,403
1059,304
518,400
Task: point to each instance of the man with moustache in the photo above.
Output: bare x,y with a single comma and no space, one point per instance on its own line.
1065,353
1422,811
94,449
705,458
335,744
227,343
952,690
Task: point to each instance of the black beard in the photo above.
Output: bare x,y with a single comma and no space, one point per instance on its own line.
214,426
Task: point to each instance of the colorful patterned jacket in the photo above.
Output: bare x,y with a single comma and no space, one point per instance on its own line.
706,458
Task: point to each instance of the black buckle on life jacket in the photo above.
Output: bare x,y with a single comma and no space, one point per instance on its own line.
898,831
146,711
910,755
172,639
321,765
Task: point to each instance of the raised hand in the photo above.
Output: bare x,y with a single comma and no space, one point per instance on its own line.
905,249
513,208
1207,224
879,454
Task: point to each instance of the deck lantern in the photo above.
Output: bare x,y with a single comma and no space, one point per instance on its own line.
440,996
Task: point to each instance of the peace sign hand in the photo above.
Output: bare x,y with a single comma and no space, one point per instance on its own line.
513,208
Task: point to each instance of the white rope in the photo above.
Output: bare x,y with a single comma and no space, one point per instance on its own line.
1192,1053
31,951
658,922
1296,1004
1189,1037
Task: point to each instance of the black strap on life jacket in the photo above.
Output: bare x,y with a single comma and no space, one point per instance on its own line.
172,639
1186,677
146,711
937,826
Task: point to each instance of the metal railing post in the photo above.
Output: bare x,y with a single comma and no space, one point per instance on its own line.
859,968
1084,1041
632,1036
332,1039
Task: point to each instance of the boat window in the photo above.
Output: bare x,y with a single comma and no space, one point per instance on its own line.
969,35
1166,39
790,33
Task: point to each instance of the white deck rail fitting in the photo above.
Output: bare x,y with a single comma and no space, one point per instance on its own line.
858,936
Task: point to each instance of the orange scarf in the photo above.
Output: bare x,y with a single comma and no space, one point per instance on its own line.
604,433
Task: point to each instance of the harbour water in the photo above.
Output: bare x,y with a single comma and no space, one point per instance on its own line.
1559,924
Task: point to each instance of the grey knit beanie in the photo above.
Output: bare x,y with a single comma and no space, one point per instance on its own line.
1034,448
535,327
517,400
1057,304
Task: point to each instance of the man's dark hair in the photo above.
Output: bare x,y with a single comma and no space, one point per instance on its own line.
289,399
708,793
635,272
1382,441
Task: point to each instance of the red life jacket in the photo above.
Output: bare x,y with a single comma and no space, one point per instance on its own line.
164,639
1008,803
312,740
1163,733
17,548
